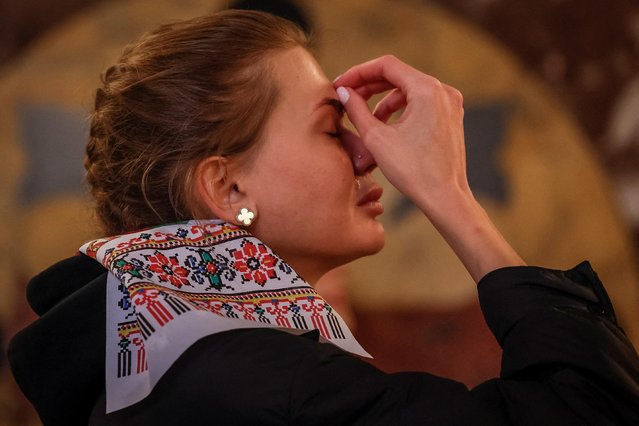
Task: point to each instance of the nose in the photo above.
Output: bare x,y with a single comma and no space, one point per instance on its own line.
362,159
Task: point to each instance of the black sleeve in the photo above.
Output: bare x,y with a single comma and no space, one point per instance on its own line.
559,329
565,362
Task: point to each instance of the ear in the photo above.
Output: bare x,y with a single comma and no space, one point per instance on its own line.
217,189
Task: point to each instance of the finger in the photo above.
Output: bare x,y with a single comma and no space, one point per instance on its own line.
371,89
455,96
391,103
357,110
386,68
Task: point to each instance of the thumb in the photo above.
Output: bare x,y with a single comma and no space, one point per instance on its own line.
357,110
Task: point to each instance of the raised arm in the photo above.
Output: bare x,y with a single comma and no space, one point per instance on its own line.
422,154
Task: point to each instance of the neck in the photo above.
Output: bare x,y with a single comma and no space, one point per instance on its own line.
310,269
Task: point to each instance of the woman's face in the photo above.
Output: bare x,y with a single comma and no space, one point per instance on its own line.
310,208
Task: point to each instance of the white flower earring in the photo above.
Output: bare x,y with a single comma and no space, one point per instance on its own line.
245,216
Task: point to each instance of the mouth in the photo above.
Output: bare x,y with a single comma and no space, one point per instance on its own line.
369,200
370,195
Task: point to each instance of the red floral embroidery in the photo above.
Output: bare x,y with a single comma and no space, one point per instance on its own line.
255,263
168,269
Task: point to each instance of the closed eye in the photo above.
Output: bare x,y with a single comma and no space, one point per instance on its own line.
336,134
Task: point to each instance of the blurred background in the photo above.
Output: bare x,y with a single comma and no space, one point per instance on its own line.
551,98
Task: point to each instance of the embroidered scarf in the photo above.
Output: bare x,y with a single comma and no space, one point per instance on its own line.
169,286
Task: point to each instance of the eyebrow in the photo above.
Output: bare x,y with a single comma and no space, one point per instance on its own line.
335,103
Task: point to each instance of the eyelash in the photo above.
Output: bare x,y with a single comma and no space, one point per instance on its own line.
336,134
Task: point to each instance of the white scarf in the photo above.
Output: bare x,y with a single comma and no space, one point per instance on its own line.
172,285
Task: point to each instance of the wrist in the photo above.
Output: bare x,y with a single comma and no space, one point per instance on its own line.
449,204
468,230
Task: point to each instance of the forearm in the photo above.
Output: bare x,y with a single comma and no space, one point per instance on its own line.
466,227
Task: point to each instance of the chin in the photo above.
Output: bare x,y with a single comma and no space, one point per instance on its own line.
364,242
374,242
378,246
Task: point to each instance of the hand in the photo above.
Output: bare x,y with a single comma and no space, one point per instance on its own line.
423,155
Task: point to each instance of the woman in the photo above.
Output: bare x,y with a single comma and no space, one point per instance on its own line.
229,121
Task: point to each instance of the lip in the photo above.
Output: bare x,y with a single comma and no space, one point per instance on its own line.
370,195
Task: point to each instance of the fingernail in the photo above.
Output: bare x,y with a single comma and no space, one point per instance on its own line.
343,94
337,78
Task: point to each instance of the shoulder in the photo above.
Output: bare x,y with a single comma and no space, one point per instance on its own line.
266,376
243,376
69,298
61,280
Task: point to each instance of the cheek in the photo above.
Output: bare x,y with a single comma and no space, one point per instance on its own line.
303,200
309,175
307,187
331,180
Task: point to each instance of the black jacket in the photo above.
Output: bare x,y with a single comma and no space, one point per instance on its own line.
565,362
